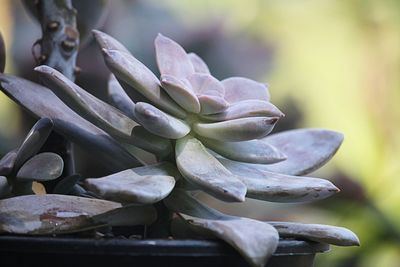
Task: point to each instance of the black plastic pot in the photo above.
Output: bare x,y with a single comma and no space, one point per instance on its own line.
69,251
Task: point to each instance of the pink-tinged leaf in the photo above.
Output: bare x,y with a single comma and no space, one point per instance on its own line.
276,187
181,92
237,130
2,54
159,122
119,98
172,58
317,232
7,162
198,63
202,169
130,70
306,150
212,104
105,41
246,108
238,89
253,151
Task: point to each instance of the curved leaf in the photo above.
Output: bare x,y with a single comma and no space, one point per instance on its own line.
36,99
253,151
246,108
105,41
162,168
239,88
5,188
306,150
119,99
202,169
130,70
151,142
317,232
7,162
42,167
236,130
2,54
198,63
50,214
127,186
277,187
34,141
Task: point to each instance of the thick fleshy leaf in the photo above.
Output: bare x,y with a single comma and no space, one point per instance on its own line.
277,187
128,215
127,186
198,63
65,186
42,167
2,54
34,141
306,150
181,92
172,58
239,88
202,169
151,142
36,99
88,106
7,162
105,41
317,232
159,122
50,214
236,130
5,188
162,168
119,99
246,108
253,151
130,70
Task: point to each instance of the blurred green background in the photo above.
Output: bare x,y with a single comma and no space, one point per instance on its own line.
329,64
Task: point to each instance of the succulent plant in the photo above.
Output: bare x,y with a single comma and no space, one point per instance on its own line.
205,134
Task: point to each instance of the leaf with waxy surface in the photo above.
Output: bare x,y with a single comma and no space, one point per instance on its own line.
5,188
239,88
202,169
105,41
244,109
36,99
159,122
50,214
42,167
255,240
7,162
306,150
130,70
161,168
151,142
278,187
34,141
236,130
118,98
317,232
253,151
128,186
198,63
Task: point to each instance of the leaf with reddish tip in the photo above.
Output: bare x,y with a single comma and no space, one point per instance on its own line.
7,162
34,141
127,186
317,232
172,58
159,122
181,92
42,167
36,98
253,151
243,129
198,63
130,70
306,150
238,89
5,188
246,108
105,41
276,187
50,214
2,54
202,169
119,98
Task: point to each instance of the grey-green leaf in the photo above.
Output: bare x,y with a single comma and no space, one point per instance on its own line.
239,88
317,232
118,98
127,186
50,214
253,151
277,187
237,130
7,162
306,150
151,142
162,168
105,41
202,169
42,167
159,122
